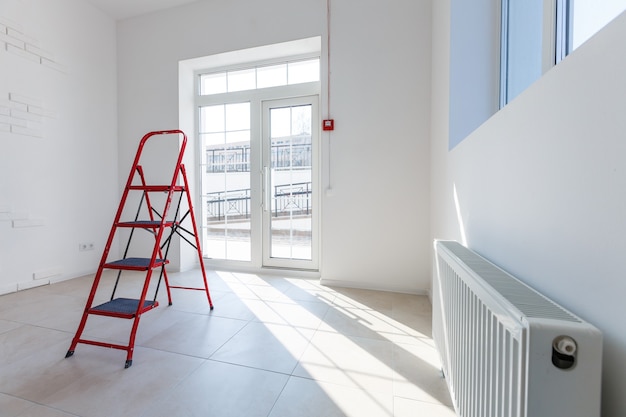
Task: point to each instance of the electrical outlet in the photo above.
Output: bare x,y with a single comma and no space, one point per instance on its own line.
85,246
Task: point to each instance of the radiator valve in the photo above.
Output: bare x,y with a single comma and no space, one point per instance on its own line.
564,352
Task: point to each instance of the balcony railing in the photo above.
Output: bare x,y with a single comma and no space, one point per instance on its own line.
287,199
233,204
237,158
292,199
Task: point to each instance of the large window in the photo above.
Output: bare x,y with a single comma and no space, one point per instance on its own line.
258,141
537,34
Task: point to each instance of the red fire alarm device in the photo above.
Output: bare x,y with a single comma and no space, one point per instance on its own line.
328,124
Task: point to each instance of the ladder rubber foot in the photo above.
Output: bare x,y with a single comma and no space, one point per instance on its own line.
212,307
129,362
170,304
69,353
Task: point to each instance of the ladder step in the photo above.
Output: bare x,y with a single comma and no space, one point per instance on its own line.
163,188
122,307
146,224
135,264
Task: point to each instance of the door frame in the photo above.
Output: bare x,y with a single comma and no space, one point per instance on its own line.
267,260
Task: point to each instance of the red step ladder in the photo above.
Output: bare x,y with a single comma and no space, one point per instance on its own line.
163,225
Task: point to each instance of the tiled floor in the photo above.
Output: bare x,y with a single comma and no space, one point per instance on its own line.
272,347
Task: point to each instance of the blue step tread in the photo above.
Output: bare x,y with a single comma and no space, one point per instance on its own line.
123,307
145,224
138,264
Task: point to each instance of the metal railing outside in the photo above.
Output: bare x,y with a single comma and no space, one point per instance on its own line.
287,199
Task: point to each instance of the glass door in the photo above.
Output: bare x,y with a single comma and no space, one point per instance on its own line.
290,190
225,165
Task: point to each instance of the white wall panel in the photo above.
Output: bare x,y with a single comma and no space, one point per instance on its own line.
58,142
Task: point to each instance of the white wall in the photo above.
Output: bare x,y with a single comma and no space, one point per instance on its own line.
375,225
541,187
376,221
58,145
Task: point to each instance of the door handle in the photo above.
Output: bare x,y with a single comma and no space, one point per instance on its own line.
266,188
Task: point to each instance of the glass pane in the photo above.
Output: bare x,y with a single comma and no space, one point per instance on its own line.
301,120
208,142
214,243
212,119
589,16
242,80
237,117
291,183
524,45
271,76
226,182
213,138
304,71
280,122
239,136
213,83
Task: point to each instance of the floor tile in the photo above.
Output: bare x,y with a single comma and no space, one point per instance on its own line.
360,323
6,325
303,314
409,305
32,306
33,364
307,398
306,291
350,361
403,407
43,411
12,407
77,287
365,299
221,390
417,374
271,347
105,388
202,335
26,342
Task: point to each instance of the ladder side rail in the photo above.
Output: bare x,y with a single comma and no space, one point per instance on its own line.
195,230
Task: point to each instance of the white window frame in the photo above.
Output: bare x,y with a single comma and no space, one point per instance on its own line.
191,100
548,45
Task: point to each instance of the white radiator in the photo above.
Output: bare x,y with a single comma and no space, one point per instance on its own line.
506,350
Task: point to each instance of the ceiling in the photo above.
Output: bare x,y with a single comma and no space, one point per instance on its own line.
123,9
